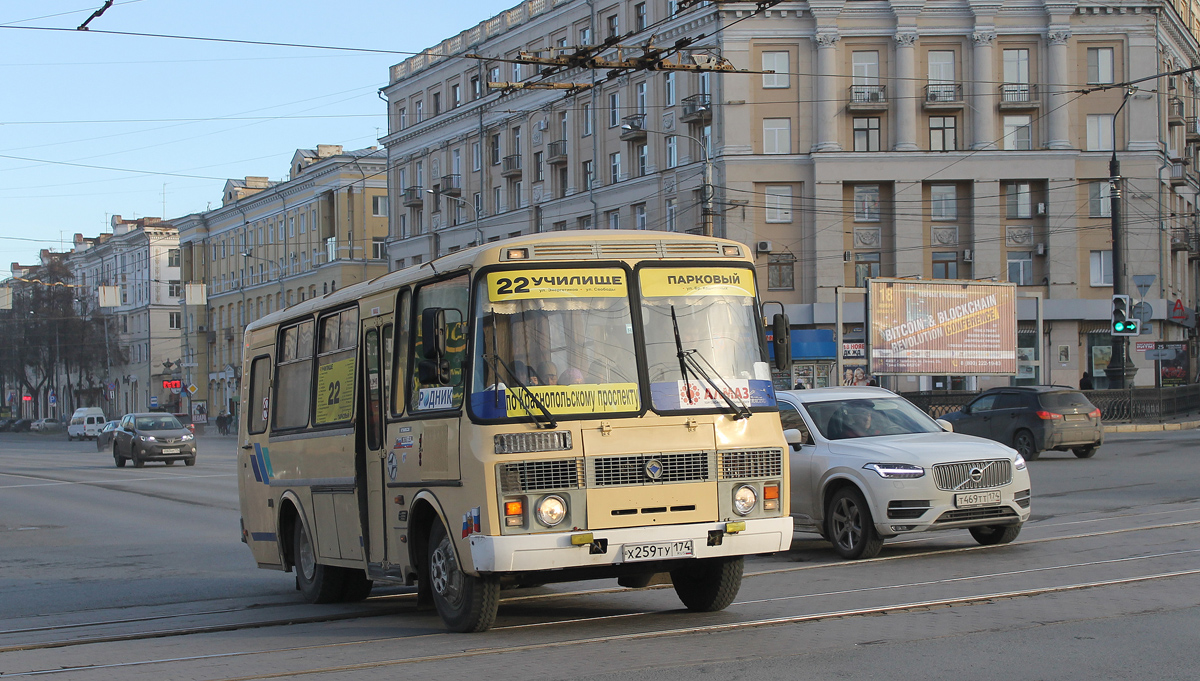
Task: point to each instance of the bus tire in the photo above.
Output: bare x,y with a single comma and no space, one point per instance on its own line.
319,583
356,586
465,603
708,584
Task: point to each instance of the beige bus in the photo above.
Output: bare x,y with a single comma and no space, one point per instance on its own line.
555,407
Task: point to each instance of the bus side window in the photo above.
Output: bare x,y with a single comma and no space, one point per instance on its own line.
260,380
335,367
293,386
399,359
451,295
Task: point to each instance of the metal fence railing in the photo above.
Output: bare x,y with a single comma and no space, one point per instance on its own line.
1130,404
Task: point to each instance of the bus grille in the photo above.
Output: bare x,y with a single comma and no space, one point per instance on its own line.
957,476
756,463
532,476
609,471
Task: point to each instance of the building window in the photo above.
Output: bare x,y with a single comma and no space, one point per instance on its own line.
437,103
1020,267
537,166
614,109
866,134
1100,132
669,88
585,36
945,265
495,151
174,289
672,151
639,13
517,194
639,91
1016,66
494,74
1018,134
477,202
671,208
614,219
1100,65
1019,200
642,153
777,135
1101,262
941,74
476,156
866,266
331,249
613,24
561,189
943,133
379,206
379,248
172,257
497,206
585,111
781,272
589,175
475,91
778,203
403,115
455,95
866,203
865,68
777,62
420,110
639,216
614,166
943,202
1099,200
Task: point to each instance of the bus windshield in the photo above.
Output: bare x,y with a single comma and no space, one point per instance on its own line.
562,337
713,311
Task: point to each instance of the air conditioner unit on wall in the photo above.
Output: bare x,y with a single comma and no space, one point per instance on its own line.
967,255
763,247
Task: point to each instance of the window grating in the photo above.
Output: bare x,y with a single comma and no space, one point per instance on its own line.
609,471
756,463
532,476
957,476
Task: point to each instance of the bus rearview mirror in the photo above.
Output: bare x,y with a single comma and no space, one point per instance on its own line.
433,333
433,371
781,330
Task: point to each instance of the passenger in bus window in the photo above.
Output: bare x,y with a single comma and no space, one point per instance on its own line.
571,376
548,373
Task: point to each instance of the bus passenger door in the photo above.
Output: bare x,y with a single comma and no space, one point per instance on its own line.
374,454
254,465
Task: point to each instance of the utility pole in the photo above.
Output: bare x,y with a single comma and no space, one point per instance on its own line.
1120,370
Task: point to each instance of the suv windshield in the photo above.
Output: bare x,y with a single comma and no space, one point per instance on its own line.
844,419
157,423
565,334
716,315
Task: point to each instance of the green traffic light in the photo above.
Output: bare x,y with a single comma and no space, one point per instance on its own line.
1119,326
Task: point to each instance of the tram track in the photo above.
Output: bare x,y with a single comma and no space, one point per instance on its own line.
394,598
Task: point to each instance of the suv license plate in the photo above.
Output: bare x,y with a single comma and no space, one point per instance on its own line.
632,553
174,450
975,499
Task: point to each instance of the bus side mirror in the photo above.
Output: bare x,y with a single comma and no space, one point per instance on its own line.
433,333
781,329
433,371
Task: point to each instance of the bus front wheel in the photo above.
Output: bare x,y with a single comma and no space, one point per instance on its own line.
319,583
709,584
465,603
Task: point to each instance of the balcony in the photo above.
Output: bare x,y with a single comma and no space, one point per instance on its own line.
511,166
556,152
868,98
1181,239
1192,129
697,108
413,197
633,128
1175,111
1178,173
451,185
943,97
1019,97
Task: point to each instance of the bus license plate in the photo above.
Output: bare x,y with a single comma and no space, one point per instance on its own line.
675,549
976,499
171,451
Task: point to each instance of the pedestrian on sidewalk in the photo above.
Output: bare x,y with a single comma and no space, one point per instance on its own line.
1085,383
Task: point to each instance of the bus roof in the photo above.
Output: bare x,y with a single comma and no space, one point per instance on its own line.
574,245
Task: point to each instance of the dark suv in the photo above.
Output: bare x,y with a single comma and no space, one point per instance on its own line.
1032,419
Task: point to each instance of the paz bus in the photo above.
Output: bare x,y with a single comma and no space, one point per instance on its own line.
555,407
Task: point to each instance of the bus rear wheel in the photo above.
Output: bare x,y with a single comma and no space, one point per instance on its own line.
709,584
319,583
465,603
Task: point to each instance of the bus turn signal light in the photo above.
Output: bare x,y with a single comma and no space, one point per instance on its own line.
514,513
771,497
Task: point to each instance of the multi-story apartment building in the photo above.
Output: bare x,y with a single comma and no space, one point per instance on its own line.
141,258
934,139
271,245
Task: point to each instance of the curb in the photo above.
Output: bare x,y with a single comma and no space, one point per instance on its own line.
1151,427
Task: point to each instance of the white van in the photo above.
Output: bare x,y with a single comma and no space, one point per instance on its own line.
85,423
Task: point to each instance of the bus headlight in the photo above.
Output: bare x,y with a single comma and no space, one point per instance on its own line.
745,498
551,510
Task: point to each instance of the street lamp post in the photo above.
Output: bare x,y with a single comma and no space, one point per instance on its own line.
478,229
707,192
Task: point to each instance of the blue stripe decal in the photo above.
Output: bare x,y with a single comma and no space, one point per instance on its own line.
263,536
262,465
254,466
266,455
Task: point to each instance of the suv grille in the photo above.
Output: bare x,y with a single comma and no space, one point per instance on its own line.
609,471
964,514
757,463
957,476
532,476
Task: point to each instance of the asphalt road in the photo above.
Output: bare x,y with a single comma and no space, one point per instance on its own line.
110,573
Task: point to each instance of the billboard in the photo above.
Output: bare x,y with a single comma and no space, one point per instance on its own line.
941,327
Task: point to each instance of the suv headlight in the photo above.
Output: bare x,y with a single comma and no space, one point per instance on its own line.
896,470
148,438
185,438
745,498
1019,463
551,510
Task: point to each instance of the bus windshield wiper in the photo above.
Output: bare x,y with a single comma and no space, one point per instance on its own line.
549,421
687,361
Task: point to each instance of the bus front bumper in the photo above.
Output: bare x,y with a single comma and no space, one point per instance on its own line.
531,552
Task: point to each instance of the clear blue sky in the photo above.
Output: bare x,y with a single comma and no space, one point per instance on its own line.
156,105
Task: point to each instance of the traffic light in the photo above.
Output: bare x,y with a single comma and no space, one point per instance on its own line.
1123,321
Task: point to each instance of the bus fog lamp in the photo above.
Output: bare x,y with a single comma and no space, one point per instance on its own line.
551,510
745,498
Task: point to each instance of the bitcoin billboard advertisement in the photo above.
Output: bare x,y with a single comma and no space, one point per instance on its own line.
941,328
